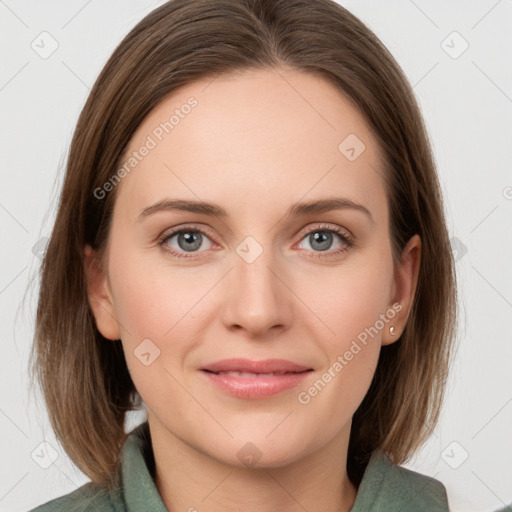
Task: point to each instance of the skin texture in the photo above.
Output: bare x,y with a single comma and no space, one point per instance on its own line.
257,142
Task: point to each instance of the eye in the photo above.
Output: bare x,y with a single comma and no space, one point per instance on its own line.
188,239
321,239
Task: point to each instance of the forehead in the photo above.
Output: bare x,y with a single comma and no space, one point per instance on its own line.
235,139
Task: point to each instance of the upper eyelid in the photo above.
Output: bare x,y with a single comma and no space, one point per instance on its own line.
207,229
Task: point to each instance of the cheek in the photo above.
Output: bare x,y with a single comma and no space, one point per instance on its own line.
350,308
350,299
159,302
150,296
153,306
350,303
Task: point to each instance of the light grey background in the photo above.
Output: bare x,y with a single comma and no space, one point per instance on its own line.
467,103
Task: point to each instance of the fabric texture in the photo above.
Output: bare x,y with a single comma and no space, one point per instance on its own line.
385,486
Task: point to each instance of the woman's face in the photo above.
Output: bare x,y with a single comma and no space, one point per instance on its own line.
259,278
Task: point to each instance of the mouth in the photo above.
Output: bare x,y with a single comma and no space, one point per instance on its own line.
266,366
247,379
254,374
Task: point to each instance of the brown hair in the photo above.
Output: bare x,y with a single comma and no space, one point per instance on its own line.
84,377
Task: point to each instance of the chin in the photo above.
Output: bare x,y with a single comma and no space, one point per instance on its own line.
256,450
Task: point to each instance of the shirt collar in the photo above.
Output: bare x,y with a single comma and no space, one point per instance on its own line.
139,489
387,486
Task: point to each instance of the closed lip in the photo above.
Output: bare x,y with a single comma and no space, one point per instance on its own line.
248,366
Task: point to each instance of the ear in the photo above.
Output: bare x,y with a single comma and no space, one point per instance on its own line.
100,296
404,289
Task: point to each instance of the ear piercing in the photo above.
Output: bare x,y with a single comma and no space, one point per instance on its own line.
392,330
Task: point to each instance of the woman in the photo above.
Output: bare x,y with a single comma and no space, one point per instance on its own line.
250,245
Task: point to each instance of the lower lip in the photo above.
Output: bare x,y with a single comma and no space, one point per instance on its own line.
256,387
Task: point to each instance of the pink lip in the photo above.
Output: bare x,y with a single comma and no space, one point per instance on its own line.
257,386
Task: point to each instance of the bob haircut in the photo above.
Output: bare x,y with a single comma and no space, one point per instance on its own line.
84,377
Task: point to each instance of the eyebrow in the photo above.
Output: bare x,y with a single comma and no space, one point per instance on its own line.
295,210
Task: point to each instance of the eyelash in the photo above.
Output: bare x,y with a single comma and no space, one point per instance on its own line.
324,228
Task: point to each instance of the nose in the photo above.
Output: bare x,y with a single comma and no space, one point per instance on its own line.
257,299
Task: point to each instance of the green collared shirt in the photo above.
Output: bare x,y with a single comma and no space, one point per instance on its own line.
385,487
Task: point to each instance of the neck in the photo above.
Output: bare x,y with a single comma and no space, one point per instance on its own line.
190,480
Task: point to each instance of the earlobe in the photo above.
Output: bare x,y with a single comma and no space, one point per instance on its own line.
99,295
406,280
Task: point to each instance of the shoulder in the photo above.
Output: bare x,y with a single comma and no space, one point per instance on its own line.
425,492
388,486
87,497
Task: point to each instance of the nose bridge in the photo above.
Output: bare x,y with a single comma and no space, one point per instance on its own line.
258,296
252,268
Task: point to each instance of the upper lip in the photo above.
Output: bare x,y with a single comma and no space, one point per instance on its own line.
246,365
